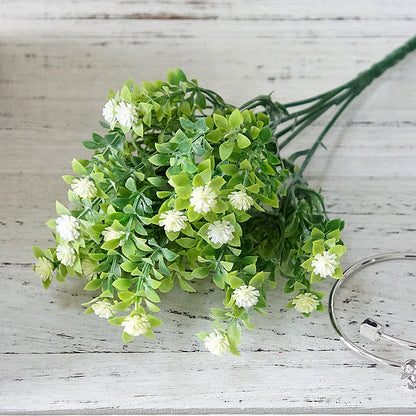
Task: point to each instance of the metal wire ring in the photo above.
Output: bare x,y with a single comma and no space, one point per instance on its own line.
409,367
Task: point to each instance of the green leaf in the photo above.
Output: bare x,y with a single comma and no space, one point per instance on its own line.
157,181
185,285
220,121
265,134
220,313
245,164
61,210
154,322
128,266
151,294
186,242
111,244
217,183
338,250
201,272
315,278
125,93
160,160
172,235
38,252
226,149
90,145
317,234
93,284
116,321
166,285
151,306
317,247
229,169
183,192
333,225
338,273
78,167
127,337
235,119
180,180
122,283
233,348
123,306
257,280
186,124
46,283
243,141
234,281
131,184
126,295
172,77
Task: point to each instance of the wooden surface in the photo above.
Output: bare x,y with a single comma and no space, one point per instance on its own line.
58,61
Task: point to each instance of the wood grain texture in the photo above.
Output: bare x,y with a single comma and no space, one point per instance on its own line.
57,61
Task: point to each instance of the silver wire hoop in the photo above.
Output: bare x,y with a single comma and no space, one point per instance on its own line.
372,329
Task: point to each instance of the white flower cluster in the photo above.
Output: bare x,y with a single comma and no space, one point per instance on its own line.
66,254
216,343
203,199
221,231
173,221
240,200
246,296
123,112
84,188
44,268
103,308
111,234
136,325
68,227
88,268
325,264
305,302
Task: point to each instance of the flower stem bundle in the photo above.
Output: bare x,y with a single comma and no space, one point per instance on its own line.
183,186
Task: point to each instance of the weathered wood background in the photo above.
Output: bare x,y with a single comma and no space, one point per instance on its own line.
58,60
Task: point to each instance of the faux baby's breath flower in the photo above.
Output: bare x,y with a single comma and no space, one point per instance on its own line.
84,187
88,267
246,296
325,264
203,199
173,220
240,200
66,254
305,302
216,343
136,325
126,114
44,268
68,227
221,232
109,112
103,308
111,234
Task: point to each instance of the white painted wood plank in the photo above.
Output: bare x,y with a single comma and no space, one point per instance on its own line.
265,10
262,382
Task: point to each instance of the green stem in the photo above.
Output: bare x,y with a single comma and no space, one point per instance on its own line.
317,97
342,95
318,141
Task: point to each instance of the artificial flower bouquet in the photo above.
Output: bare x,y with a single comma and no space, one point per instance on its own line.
183,186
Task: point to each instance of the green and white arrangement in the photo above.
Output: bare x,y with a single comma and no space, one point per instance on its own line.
183,186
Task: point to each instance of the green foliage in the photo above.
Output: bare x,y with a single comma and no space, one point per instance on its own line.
185,138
